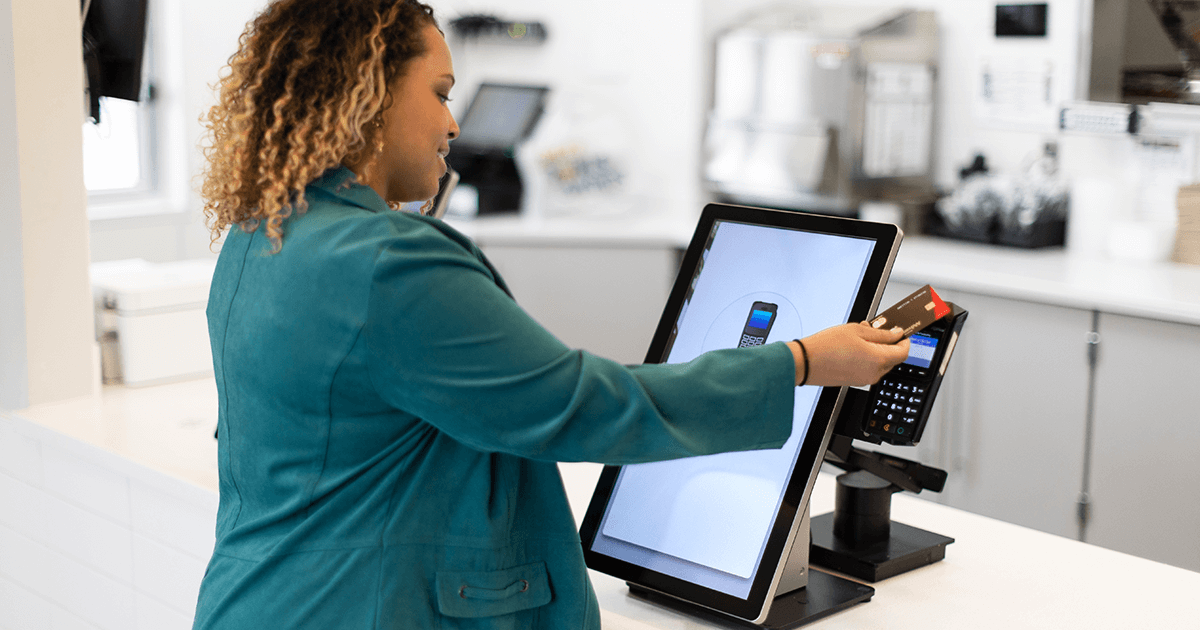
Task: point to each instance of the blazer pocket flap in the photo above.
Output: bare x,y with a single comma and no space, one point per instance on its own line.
492,593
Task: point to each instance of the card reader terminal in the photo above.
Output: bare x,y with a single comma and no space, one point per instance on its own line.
900,402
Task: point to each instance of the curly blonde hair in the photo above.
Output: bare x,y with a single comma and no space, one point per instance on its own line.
302,94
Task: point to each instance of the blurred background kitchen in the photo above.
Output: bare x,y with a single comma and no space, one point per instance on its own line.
1041,158
814,106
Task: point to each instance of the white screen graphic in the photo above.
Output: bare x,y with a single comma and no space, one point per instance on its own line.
706,519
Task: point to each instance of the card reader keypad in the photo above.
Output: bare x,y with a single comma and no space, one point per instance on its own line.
897,401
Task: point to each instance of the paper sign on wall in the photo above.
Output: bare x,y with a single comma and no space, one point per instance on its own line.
1017,92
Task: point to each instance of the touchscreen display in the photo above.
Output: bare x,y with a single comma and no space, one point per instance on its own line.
707,519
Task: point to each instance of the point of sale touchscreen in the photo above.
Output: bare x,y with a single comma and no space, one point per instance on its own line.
707,519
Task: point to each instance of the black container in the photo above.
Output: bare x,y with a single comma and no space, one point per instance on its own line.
1046,233
1050,233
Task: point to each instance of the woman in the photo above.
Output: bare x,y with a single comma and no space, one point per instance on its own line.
389,418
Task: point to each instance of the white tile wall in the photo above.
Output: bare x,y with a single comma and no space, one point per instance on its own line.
155,615
86,484
185,523
20,455
90,541
63,620
87,593
22,507
169,575
20,608
23,561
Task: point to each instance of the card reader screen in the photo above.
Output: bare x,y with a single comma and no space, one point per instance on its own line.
920,350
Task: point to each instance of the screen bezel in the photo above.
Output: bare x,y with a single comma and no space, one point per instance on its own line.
757,603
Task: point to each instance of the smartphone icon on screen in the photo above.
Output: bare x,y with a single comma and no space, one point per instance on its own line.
758,324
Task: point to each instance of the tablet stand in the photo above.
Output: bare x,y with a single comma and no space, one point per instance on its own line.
806,594
859,538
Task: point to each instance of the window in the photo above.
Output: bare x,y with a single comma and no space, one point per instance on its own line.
118,151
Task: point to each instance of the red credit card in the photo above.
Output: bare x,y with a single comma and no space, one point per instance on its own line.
913,313
940,309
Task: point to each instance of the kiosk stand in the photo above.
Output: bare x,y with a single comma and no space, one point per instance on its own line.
808,594
859,538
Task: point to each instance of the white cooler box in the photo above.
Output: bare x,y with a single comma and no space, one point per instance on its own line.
150,320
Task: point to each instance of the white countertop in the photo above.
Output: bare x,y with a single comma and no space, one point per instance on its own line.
995,576
1157,290
167,428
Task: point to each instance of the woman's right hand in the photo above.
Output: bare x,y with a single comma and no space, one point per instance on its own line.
850,354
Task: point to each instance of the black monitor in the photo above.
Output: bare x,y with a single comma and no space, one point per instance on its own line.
114,41
715,531
500,116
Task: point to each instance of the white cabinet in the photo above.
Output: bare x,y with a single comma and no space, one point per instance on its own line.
1145,471
1008,424
604,299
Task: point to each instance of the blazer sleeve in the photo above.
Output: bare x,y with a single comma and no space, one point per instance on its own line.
448,345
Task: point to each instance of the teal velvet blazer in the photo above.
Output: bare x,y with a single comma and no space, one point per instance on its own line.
389,421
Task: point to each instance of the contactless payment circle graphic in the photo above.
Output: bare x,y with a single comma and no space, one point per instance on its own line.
753,320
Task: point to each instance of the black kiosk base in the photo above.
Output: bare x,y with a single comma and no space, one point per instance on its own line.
859,538
906,549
